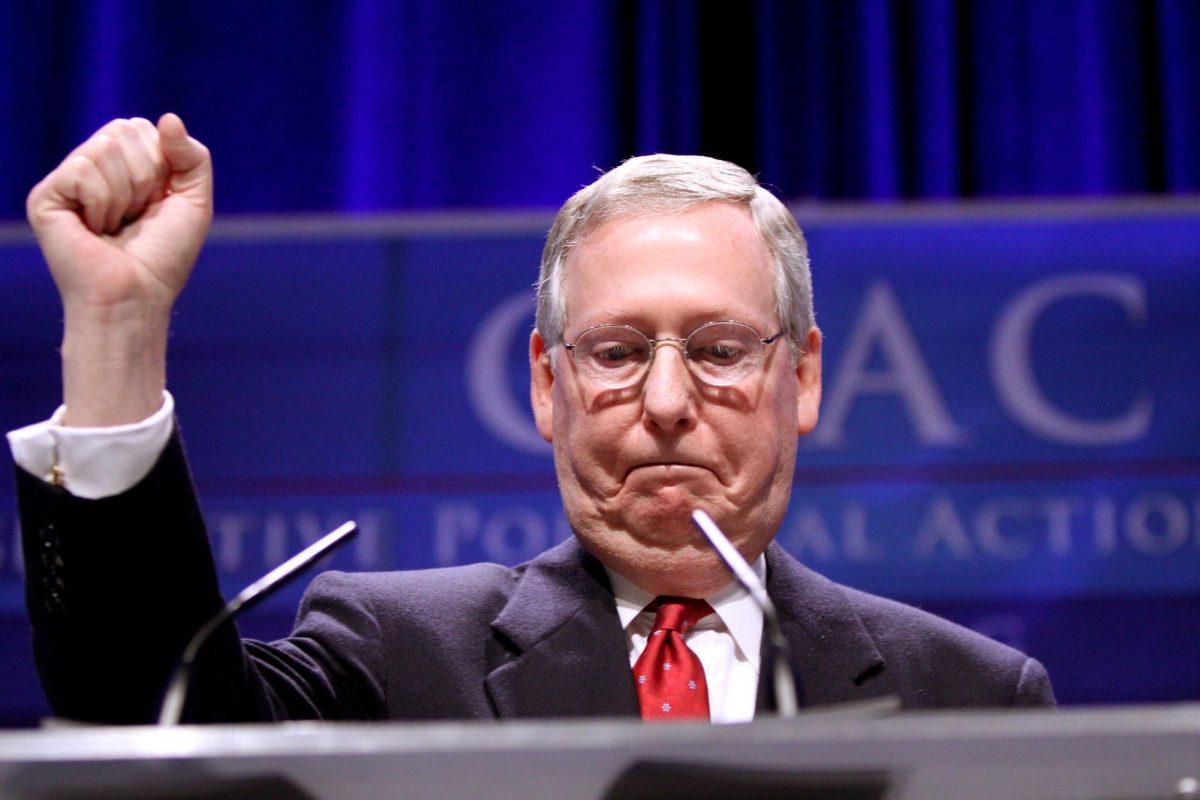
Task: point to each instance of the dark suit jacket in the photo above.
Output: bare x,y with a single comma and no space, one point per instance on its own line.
115,588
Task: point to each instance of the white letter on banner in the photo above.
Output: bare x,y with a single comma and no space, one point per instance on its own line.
514,534
229,530
992,540
1164,538
1104,527
18,553
857,545
808,535
1011,361
372,525
1058,512
942,527
882,325
454,523
487,378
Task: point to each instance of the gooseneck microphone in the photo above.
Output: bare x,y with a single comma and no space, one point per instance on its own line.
781,663
172,704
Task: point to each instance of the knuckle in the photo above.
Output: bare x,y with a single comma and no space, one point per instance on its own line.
113,126
118,127
79,167
145,130
33,203
104,146
142,179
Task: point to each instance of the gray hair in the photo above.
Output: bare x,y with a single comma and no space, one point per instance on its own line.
668,184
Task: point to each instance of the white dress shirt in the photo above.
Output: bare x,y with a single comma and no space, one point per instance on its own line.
93,462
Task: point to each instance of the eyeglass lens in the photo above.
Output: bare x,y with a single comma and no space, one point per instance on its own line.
719,353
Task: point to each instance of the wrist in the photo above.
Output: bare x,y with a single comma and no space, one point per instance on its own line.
114,364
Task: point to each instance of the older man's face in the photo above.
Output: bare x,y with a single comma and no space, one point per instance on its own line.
632,463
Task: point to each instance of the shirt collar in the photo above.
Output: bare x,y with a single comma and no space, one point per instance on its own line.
737,610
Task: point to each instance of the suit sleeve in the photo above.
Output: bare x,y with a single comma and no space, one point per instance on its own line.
115,588
331,667
1033,688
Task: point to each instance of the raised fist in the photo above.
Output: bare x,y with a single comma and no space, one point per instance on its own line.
120,222
123,217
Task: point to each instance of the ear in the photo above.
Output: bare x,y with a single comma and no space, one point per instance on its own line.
541,386
808,376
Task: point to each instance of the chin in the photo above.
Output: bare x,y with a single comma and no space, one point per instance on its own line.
664,516
673,562
671,530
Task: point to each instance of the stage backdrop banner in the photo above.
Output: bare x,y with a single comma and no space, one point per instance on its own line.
1008,433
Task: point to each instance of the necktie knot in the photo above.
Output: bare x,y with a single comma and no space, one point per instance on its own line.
679,613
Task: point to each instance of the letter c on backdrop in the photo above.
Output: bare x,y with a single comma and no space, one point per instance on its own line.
1011,361
488,386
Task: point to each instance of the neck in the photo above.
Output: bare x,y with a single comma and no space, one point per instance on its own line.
694,574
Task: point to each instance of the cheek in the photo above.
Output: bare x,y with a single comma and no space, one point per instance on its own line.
762,445
588,444
780,409
760,459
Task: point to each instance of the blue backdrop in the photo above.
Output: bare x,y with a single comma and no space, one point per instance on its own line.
1008,432
376,104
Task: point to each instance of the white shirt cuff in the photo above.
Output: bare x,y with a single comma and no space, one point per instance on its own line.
93,462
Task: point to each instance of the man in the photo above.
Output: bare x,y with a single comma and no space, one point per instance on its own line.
674,365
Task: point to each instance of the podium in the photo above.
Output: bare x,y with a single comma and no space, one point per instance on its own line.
1133,753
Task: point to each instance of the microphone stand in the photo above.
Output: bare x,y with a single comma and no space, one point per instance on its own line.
781,663
172,704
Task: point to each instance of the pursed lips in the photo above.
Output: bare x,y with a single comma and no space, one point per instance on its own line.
668,466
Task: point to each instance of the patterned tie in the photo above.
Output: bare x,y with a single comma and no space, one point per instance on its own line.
669,676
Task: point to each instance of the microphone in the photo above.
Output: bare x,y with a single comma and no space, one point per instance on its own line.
781,664
172,704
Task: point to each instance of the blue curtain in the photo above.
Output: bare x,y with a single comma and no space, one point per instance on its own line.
375,105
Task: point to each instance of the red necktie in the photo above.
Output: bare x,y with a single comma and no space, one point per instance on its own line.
669,676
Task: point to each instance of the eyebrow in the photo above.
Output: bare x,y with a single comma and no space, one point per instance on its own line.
691,322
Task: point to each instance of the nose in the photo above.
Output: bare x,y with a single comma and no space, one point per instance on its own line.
668,395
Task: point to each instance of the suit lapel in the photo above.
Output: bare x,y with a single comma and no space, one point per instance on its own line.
569,656
833,657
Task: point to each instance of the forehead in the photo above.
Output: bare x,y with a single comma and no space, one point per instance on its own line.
672,270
